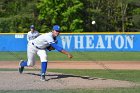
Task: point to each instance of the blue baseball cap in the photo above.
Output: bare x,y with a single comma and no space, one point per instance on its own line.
32,27
56,28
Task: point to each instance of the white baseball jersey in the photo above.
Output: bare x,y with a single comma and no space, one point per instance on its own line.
44,40
32,35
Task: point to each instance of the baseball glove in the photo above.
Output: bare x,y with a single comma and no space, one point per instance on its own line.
50,48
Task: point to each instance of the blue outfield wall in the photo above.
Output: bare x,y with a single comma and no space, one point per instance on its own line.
13,42
78,42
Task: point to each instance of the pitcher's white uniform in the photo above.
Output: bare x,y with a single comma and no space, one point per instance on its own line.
38,46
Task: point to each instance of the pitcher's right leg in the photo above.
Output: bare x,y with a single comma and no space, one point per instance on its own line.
43,58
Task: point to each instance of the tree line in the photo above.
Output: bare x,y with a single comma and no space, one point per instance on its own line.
16,16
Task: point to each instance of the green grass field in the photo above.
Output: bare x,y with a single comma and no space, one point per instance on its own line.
118,90
129,75
77,56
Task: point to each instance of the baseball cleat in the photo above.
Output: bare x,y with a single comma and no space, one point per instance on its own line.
42,77
20,69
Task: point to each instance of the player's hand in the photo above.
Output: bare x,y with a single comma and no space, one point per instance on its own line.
67,53
70,55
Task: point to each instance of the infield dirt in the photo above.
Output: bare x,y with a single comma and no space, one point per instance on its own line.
29,80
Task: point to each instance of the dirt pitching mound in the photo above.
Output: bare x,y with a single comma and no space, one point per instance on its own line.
30,81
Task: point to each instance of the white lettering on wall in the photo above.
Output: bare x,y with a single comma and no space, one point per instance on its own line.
89,41
66,40
119,41
100,43
97,41
129,41
109,39
78,41
19,35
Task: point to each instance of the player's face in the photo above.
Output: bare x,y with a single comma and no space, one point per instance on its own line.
32,29
55,33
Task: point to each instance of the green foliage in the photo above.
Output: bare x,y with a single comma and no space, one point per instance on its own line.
137,21
113,15
136,11
71,15
65,13
17,15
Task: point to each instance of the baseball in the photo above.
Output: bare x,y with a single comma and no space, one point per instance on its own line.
93,22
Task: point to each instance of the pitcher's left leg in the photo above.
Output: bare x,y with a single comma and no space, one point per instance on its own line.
31,51
22,64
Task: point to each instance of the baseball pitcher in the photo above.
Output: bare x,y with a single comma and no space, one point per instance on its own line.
39,46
